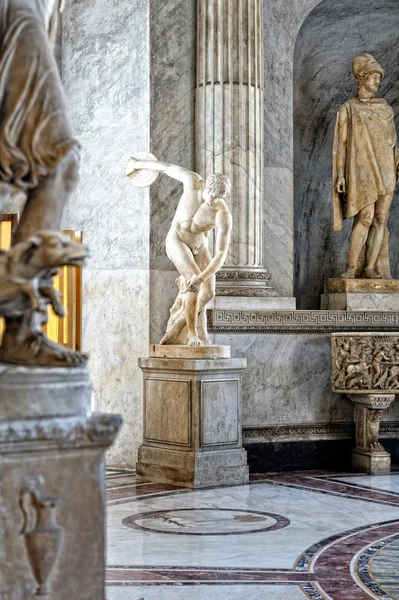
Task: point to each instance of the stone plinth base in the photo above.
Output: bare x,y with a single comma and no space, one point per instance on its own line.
361,295
189,352
193,423
369,455
52,476
372,463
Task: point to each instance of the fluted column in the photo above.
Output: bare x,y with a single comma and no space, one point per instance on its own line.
229,130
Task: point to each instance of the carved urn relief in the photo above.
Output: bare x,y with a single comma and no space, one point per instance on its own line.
43,536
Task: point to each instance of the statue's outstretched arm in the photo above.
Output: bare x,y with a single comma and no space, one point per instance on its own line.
174,171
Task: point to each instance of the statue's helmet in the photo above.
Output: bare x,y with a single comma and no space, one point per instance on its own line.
366,63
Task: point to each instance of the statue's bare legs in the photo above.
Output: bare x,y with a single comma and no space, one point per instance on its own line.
369,227
189,265
23,342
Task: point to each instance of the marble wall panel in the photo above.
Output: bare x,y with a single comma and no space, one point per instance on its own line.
333,34
278,228
105,69
116,334
106,78
287,380
282,22
172,79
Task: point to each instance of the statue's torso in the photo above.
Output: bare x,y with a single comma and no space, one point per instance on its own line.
372,123
194,218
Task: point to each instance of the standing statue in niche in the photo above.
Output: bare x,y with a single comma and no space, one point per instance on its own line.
39,156
201,209
365,166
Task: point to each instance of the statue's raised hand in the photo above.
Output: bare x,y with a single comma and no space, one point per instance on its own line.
194,283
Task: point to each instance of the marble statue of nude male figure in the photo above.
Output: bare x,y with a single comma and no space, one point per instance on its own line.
201,208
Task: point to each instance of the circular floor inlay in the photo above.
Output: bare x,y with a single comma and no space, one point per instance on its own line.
206,521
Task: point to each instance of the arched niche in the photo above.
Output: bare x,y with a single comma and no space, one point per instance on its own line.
331,36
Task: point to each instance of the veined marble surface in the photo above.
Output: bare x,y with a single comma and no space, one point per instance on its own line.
287,379
172,80
106,49
115,332
381,482
333,532
278,217
272,549
208,592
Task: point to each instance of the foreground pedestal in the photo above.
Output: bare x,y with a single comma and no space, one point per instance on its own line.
361,295
369,455
193,424
52,476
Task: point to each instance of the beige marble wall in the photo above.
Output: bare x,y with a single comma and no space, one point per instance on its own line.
105,70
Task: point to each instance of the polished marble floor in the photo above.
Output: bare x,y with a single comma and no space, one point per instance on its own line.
287,536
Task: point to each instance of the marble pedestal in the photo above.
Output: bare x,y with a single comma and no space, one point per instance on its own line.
192,417
369,455
361,295
52,485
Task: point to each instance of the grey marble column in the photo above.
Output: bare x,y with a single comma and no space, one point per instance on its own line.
229,130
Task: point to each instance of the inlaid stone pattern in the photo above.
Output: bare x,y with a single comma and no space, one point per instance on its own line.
206,521
365,363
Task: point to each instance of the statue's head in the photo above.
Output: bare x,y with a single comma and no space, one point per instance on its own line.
368,72
217,187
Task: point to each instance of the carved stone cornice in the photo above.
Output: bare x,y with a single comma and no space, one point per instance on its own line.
299,321
246,275
71,432
310,432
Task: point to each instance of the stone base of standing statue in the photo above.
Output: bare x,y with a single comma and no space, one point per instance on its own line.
193,417
52,475
361,295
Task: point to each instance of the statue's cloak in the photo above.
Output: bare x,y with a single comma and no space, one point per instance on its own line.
370,160
35,133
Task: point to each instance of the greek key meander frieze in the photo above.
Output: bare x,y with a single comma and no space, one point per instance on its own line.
299,321
319,430
365,362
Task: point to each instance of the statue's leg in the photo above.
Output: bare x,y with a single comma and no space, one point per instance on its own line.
377,233
207,293
182,257
46,202
363,221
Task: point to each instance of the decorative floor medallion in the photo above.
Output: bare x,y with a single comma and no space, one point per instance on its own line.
206,521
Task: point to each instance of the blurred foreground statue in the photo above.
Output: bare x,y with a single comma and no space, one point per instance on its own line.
365,164
201,209
40,157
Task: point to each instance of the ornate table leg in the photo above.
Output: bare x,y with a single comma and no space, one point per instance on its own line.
369,455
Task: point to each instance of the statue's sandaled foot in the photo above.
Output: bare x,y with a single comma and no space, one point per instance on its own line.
371,274
350,273
37,350
194,341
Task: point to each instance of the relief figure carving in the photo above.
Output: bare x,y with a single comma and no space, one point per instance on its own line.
365,363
